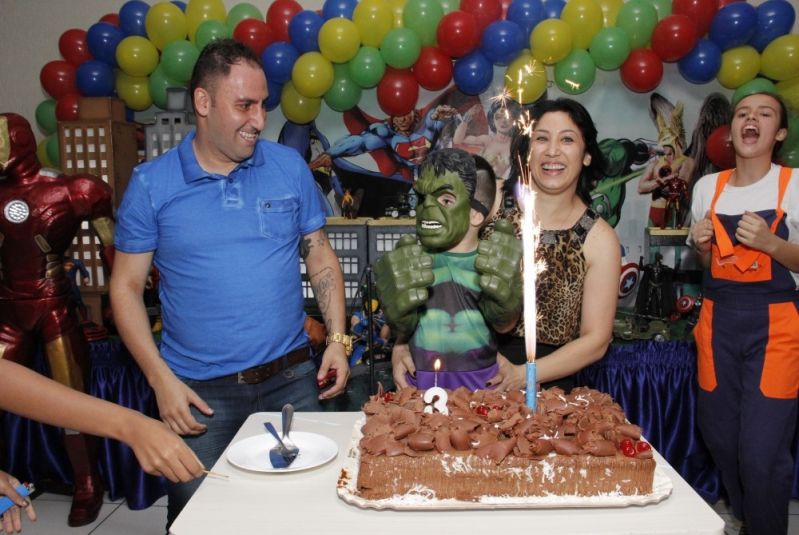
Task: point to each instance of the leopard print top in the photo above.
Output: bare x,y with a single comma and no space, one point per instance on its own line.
559,288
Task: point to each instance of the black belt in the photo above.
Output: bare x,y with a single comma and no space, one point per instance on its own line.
259,374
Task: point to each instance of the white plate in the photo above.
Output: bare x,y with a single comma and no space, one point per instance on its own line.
347,491
253,453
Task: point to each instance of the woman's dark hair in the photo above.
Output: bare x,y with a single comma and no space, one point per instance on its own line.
783,116
520,145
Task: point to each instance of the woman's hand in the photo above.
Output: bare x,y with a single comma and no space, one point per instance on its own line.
509,377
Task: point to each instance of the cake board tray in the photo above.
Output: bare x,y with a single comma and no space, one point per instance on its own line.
422,499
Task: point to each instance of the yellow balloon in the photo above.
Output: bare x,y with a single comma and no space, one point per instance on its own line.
397,7
199,11
610,8
780,60
339,40
374,19
41,154
585,19
551,41
789,91
136,55
312,75
134,90
165,22
526,78
296,107
738,66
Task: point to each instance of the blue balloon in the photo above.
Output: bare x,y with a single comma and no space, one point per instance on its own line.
733,25
473,73
278,59
553,8
526,13
102,39
131,17
701,64
95,79
275,89
502,41
304,31
338,8
181,5
775,18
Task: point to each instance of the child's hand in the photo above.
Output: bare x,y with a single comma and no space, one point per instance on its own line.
702,233
754,232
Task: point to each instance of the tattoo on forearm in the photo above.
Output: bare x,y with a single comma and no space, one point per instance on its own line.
306,244
323,284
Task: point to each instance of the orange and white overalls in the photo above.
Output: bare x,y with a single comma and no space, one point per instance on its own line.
748,364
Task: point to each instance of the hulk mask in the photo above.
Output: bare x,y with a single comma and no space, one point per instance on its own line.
442,214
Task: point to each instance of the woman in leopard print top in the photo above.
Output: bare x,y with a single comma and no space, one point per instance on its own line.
576,294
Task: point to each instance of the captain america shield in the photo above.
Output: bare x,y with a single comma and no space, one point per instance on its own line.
628,279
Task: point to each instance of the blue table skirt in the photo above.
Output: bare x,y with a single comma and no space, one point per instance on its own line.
655,382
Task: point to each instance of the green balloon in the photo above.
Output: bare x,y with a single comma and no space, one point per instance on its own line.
242,11
178,59
610,48
400,48
344,93
210,30
45,116
638,18
575,73
663,8
756,85
448,6
423,16
367,67
159,83
52,150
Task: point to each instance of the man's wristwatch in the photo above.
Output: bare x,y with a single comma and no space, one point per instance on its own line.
343,339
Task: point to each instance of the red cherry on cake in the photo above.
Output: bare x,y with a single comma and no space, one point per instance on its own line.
388,397
482,410
628,451
626,443
643,446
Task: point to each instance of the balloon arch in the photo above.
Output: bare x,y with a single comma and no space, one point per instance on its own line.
398,46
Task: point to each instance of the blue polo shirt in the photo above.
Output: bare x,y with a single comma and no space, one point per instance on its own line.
227,248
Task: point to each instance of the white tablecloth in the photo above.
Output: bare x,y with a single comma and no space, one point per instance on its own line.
306,502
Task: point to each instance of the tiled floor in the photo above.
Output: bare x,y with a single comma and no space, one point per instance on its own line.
116,519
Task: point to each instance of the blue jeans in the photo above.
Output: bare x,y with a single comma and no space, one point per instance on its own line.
232,404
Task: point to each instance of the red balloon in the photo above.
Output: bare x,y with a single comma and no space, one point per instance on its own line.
642,71
255,34
723,3
73,47
433,69
505,5
699,11
279,15
111,18
58,78
718,148
457,33
66,108
674,37
397,92
484,11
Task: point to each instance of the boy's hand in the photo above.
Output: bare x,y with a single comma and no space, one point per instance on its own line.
499,264
402,277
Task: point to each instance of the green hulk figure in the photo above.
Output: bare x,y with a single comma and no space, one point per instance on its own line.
446,296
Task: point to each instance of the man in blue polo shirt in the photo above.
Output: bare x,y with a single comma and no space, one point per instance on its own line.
225,217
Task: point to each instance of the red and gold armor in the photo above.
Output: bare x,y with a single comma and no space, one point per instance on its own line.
41,210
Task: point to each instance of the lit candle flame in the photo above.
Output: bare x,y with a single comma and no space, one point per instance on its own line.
436,367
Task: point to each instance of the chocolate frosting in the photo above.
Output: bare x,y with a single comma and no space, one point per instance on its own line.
493,425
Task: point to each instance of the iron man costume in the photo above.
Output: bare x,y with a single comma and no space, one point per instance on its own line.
41,212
